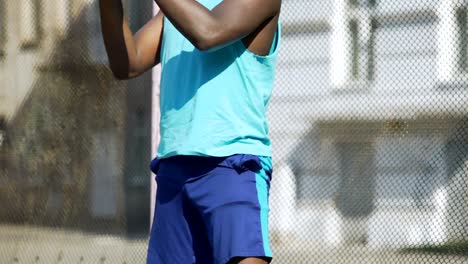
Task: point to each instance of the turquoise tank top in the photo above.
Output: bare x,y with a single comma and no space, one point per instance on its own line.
214,103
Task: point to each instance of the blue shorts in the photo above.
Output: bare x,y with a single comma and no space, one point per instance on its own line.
209,209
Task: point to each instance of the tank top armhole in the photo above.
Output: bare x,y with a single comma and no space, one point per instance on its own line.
275,42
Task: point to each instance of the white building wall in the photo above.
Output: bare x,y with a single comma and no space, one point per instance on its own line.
399,6
407,85
304,59
293,11
406,55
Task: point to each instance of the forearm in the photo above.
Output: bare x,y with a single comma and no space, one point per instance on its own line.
118,38
193,20
227,22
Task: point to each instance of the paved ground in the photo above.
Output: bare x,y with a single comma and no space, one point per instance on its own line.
41,245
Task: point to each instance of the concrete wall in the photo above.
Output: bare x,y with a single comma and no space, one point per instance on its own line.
77,141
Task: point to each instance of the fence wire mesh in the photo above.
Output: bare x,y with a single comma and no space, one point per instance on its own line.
368,120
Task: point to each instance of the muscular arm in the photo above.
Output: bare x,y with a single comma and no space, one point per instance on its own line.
229,21
129,55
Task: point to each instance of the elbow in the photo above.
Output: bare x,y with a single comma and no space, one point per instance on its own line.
207,39
204,44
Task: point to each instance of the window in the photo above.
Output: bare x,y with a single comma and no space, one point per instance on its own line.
361,44
362,3
354,37
29,23
355,196
371,50
462,51
3,28
353,40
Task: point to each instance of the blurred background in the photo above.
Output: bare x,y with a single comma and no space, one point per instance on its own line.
368,120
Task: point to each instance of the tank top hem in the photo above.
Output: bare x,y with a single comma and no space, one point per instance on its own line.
225,151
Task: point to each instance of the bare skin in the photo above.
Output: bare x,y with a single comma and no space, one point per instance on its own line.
247,261
130,55
253,21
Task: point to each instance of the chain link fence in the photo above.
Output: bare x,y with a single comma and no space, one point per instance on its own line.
368,119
